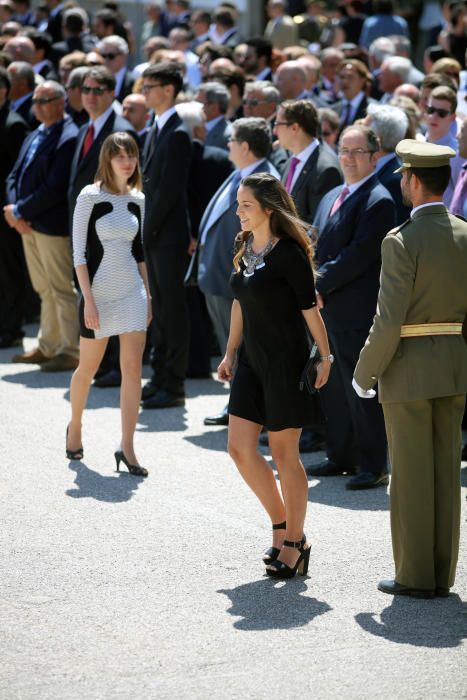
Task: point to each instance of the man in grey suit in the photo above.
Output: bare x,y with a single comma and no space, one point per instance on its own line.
215,100
249,146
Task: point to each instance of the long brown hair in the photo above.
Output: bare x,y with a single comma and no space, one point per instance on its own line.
284,220
111,147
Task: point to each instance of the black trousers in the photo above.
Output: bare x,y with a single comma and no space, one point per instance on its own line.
356,434
14,282
167,266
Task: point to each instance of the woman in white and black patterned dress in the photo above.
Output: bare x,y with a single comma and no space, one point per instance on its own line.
109,264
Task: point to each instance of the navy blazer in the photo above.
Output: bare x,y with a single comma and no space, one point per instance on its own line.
216,254
392,182
348,254
42,198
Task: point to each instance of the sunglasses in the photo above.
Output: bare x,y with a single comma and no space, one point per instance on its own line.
440,112
44,100
86,90
109,56
254,102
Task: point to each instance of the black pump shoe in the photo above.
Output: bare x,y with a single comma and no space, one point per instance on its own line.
134,469
272,553
73,454
277,569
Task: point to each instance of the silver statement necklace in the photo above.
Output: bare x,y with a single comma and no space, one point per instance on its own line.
254,261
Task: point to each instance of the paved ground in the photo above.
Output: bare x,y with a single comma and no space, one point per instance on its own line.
116,587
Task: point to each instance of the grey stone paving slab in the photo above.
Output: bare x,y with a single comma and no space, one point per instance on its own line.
115,587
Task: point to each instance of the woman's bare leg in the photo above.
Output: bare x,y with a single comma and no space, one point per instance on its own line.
294,486
131,360
243,448
91,352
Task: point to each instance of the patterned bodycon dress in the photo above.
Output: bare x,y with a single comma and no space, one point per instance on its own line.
107,237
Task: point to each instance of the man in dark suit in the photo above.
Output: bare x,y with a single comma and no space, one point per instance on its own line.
54,24
352,221
353,77
261,99
257,61
312,171
76,36
42,65
114,50
166,235
22,86
98,93
314,168
215,100
249,148
390,125
13,131
38,210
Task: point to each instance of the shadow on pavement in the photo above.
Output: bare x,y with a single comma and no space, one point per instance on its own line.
331,491
440,623
271,604
212,439
109,489
35,379
157,420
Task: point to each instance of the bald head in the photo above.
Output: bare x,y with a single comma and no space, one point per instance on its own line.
408,90
135,110
290,80
20,48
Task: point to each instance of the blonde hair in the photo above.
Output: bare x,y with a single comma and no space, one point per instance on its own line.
113,144
284,220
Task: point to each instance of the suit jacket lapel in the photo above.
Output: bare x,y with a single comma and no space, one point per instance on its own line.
310,163
213,201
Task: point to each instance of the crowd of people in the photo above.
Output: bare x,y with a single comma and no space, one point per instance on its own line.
319,102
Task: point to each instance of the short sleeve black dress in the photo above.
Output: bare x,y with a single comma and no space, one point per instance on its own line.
274,351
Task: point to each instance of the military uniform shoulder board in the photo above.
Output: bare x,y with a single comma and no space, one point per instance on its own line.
395,230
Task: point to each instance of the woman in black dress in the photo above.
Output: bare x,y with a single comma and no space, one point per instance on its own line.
274,301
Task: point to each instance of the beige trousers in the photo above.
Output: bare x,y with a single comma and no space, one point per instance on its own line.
51,270
424,439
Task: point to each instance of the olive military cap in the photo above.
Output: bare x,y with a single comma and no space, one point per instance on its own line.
420,154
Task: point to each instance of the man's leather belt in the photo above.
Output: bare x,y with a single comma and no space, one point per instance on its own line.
414,330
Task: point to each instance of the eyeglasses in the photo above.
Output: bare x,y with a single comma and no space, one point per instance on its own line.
353,152
283,123
150,86
86,90
254,102
232,140
327,133
109,56
436,110
44,100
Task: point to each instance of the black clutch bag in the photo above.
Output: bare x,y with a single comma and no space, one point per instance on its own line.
308,376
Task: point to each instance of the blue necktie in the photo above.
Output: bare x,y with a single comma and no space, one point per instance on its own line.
234,185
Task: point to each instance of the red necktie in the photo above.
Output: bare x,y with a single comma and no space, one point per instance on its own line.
345,191
88,140
293,166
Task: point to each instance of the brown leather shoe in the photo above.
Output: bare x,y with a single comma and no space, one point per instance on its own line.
31,357
60,363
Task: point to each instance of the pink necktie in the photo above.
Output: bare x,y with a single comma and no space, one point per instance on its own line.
293,166
460,192
345,191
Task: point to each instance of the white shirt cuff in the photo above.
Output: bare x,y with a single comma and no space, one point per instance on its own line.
363,393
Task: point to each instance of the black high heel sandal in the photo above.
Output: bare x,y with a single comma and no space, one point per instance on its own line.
73,454
278,569
272,553
134,469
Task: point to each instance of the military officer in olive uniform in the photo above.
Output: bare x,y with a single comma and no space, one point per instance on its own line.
418,354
